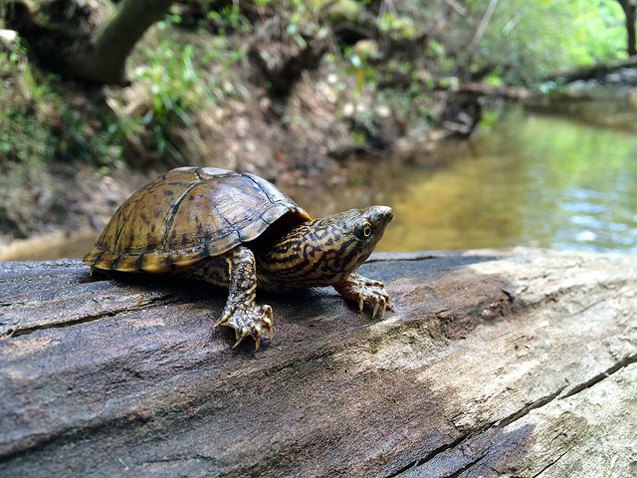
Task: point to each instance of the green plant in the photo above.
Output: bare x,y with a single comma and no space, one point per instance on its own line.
364,72
229,19
174,91
44,119
398,27
23,141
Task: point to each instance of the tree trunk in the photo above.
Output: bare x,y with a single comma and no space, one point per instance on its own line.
630,9
493,363
89,41
630,30
104,60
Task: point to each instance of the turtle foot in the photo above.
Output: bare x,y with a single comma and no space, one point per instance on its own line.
253,321
363,291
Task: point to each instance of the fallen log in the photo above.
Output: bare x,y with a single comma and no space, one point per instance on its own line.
505,92
516,363
592,72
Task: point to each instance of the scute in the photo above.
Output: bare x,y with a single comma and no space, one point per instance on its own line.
186,215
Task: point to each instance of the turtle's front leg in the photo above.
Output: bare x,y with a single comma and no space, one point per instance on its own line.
360,290
241,313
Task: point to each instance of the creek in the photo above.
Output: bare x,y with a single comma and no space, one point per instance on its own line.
531,179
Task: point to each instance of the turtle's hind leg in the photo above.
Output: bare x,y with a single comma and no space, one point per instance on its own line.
241,313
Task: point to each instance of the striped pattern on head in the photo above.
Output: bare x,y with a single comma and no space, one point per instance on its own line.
324,251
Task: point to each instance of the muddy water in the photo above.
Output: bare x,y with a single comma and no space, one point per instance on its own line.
531,180
52,246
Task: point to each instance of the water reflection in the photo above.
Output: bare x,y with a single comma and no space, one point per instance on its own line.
532,180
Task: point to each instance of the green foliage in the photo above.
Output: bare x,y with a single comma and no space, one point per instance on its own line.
176,75
24,140
168,72
43,118
172,82
358,136
490,117
229,19
210,16
398,27
523,40
342,10
44,124
540,37
172,85
360,67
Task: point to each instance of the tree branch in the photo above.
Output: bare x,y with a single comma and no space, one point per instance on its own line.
84,40
482,27
105,60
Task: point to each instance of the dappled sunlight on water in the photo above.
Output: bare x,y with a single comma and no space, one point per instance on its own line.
531,181
534,181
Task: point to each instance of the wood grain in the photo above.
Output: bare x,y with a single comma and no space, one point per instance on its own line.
494,363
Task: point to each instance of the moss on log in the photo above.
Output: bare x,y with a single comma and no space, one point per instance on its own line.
514,363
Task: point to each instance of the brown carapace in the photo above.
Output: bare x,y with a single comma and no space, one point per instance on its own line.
239,231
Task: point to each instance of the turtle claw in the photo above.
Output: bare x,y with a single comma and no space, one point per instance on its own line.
248,321
221,321
363,291
240,335
386,306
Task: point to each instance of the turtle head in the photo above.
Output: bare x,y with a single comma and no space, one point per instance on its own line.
345,240
326,250
355,233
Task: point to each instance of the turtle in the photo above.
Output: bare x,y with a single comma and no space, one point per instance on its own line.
237,230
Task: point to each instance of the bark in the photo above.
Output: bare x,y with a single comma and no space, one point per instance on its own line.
630,8
484,89
89,41
105,60
630,31
516,363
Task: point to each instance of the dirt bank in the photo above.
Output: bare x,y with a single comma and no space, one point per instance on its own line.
288,101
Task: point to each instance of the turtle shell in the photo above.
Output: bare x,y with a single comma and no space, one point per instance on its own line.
186,215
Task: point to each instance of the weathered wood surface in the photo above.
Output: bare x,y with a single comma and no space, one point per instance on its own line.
494,363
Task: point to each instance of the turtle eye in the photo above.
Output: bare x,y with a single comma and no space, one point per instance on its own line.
365,231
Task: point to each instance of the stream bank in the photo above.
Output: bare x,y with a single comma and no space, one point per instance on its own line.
245,99
531,179
297,100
